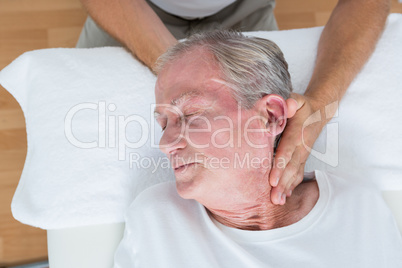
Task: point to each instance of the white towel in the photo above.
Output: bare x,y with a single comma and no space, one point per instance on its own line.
66,186
63,185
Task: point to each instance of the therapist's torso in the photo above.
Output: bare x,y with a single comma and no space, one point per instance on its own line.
192,9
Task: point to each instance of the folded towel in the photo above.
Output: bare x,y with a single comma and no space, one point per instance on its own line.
92,141
84,109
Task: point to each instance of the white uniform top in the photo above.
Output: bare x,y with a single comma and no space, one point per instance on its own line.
350,226
192,9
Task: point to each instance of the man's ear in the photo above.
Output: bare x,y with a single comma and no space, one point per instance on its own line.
274,108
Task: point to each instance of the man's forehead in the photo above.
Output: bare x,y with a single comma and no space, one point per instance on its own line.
185,98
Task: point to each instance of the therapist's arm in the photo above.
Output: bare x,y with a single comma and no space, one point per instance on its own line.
346,43
134,24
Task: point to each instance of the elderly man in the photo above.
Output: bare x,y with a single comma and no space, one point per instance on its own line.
221,102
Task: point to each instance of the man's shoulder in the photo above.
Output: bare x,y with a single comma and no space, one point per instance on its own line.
351,192
345,182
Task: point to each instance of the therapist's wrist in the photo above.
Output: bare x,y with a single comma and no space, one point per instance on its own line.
324,99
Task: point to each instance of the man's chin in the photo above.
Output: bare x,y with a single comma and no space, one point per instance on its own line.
185,188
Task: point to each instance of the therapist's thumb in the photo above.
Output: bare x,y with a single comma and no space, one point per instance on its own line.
292,106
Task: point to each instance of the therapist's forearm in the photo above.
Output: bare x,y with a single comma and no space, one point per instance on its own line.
134,24
346,43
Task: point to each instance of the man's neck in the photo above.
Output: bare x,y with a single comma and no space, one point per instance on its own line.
267,216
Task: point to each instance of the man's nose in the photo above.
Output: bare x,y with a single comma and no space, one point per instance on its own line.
173,139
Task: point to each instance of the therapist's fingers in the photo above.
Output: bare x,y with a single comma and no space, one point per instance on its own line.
285,166
291,137
299,179
280,191
292,151
284,153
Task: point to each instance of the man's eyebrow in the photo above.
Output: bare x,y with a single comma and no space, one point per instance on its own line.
182,99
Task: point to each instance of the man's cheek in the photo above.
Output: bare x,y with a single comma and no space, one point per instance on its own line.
223,138
198,138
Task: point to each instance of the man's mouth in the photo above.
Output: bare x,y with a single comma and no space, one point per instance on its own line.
183,167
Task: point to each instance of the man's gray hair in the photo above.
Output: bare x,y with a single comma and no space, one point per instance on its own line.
252,67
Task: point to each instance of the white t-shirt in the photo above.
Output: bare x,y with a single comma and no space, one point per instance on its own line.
192,9
350,226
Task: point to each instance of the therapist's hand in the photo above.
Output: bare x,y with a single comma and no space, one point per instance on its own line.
291,154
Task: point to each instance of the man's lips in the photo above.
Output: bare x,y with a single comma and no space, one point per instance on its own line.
181,167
